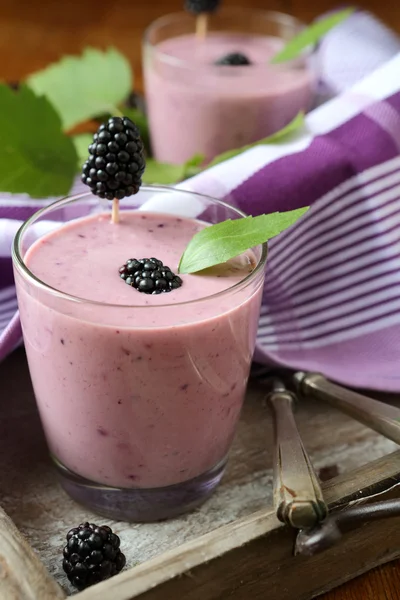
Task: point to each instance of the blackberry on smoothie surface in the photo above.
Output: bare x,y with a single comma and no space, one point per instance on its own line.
234,59
149,275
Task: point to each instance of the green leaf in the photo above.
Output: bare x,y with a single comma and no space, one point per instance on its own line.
274,138
81,88
218,243
193,166
168,174
195,161
162,173
310,36
81,143
36,157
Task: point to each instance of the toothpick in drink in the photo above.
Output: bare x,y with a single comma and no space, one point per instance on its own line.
115,211
201,25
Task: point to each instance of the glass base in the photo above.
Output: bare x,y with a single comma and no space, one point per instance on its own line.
141,505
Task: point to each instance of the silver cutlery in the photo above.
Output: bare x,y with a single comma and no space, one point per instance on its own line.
298,498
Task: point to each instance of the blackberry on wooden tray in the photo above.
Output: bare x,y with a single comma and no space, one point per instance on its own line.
92,554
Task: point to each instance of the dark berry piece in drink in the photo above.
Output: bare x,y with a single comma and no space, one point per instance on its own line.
235,59
149,275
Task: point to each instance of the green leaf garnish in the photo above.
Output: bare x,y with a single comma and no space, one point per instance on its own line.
81,88
310,36
168,174
81,142
193,166
162,173
36,157
274,138
218,243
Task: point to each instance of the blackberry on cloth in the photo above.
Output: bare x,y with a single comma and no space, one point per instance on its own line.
92,554
116,163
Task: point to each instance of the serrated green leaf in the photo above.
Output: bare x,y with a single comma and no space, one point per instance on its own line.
36,157
81,88
274,138
218,243
81,143
310,36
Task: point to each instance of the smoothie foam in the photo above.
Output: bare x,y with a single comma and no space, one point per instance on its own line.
134,393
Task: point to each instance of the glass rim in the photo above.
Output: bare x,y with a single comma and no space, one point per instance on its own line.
267,15
23,269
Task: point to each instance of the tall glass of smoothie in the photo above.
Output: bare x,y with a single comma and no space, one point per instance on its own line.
139,394
196,105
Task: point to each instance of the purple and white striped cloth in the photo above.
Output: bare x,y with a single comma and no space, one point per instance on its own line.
332,292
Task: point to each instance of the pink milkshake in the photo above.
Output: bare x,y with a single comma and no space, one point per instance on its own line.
196,106
139,394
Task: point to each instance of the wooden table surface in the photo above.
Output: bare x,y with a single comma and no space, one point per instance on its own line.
36,32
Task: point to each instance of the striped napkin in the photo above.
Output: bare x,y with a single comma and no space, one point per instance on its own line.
332,294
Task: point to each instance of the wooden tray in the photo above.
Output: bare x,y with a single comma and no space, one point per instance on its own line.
232,548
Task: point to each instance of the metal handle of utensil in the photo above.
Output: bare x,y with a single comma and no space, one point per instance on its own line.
298,498
379,416
327,534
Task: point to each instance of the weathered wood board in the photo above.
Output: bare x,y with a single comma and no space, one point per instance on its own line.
31,496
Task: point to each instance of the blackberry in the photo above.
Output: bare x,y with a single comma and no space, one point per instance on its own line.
201,6
235,59
136,100
92,554
149,275
116,163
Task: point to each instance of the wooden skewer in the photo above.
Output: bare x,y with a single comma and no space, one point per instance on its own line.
201,25
115,211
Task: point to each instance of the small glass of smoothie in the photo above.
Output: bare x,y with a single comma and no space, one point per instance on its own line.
139,394
196,106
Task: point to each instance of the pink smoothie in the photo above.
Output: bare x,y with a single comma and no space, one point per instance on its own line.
197,107
145,391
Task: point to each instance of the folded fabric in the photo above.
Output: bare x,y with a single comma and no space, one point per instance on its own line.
332,294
